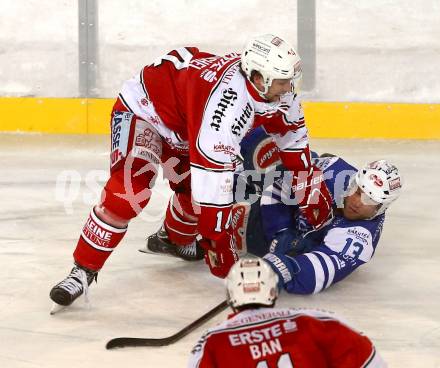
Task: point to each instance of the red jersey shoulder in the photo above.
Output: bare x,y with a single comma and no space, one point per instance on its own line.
211,68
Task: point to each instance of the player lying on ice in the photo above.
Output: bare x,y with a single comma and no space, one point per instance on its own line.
259,335
307,260
188,112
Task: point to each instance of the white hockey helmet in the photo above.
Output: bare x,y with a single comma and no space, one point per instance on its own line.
273,58
380,181
251,281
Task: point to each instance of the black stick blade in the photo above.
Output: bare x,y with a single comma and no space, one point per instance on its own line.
123,342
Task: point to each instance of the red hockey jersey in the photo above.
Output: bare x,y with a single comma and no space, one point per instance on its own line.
284,338
203,103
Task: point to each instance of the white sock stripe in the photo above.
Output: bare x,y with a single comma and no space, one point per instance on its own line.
93,245
179,232
319,272
330,268
106,226
175,217
184,213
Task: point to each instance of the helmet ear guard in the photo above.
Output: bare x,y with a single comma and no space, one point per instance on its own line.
273,58
251,281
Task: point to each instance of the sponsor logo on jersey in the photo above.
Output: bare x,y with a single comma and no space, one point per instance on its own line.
147,145
242,121
202,63
209,75
227,187
266,154
225,148
290,326
214,62
359,235
213,65
323,163
145,155
146,139
227,77
229,96
262,316
261,342
255,336
120,128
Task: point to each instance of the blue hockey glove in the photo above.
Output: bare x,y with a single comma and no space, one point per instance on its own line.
284,241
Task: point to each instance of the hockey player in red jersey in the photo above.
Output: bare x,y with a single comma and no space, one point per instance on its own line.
259,335
188,112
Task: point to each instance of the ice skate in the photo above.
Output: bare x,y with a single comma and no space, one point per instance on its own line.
73,286
158,243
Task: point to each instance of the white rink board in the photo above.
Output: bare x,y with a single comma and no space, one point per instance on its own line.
370,50
395,298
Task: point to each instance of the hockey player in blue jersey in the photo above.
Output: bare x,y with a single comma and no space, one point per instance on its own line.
309,260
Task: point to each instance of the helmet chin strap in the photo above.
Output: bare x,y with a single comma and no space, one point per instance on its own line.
277,105
263,93
376,213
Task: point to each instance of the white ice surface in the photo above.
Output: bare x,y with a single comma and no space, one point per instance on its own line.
395,299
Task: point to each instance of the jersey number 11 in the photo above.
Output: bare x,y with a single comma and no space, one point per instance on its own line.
283,362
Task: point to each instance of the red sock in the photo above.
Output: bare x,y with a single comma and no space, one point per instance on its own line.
97,241
180,225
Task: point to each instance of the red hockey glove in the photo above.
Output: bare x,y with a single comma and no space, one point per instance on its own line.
313,197
220,255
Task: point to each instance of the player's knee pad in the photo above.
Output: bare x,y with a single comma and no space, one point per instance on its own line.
126,195
180,220
136,154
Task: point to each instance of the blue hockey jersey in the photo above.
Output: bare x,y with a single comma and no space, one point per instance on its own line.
319,258
327,255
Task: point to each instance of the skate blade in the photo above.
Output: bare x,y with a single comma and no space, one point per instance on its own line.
56,308
147,251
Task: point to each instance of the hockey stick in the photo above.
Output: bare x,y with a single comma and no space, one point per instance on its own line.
122,342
